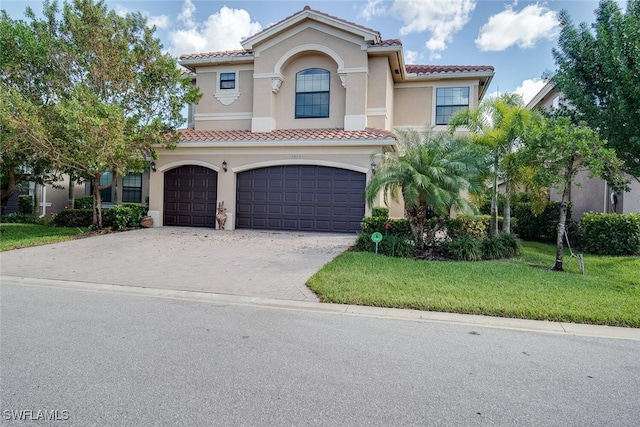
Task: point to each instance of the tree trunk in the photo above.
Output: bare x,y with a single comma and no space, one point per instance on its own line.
506,214
417,216
97,204
561,227
493,222
10,188
72,191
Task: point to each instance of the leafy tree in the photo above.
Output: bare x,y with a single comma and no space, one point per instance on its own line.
110,97
499,124
25,68
560,149
598,70
434,170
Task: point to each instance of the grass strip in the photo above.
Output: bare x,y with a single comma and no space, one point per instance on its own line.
524,287
14,236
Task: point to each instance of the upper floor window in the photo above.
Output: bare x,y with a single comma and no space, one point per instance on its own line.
450,100
227,80
312,93
132,188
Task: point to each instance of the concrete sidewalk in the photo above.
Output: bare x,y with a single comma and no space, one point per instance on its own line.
254,263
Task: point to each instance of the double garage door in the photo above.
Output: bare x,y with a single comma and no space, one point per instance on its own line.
304,198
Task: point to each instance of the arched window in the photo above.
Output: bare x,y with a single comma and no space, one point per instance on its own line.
312,93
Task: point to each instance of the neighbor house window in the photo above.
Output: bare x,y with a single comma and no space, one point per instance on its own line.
132,188
106,194
312,93
227,80
450,100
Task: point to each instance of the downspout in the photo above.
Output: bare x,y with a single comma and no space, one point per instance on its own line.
604,204
43,201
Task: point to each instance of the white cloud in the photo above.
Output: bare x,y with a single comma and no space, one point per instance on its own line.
220,31
440,18
412,57
522,29
529,88
160,21
373,8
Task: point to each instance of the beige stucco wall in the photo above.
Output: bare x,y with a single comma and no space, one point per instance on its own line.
241,158
412,105
380,94
55,196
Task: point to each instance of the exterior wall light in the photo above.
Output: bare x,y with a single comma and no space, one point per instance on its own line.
224,165
373,167
153,166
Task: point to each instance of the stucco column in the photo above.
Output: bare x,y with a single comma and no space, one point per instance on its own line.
355,82
265,90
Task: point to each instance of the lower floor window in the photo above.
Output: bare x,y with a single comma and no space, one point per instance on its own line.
132,188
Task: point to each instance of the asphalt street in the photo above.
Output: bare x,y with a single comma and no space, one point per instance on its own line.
113,359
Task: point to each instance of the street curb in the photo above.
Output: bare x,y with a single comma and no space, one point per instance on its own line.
574,329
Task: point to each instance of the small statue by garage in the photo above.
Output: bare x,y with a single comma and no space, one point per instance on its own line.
221,216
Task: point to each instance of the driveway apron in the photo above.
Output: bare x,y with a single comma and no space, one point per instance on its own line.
242,262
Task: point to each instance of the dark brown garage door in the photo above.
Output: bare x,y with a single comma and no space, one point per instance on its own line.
305,198
190,194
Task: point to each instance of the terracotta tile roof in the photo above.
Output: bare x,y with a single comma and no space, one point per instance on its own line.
307,8
192,135
221,54
390,42
446,69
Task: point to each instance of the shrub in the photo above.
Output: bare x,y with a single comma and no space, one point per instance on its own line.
380,212
492,248
511,245
611,234
73,218
463,225
390,245
84,202
124,216
25,204
542,227
464,248
387,227
21,219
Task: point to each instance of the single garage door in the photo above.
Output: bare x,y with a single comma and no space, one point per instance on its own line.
190,196
305,198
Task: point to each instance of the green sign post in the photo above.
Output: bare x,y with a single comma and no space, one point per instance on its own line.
377,238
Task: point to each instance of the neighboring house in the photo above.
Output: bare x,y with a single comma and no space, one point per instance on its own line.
48,199
591,194
131,188
288,128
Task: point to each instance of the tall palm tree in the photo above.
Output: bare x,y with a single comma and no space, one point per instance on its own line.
500,124
433,170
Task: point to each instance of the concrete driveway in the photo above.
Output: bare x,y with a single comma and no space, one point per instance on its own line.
268,264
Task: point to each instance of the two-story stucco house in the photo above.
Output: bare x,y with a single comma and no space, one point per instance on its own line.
287,128
589,194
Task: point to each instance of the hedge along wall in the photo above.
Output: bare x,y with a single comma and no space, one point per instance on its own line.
611,234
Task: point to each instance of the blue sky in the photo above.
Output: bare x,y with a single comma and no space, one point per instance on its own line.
516,37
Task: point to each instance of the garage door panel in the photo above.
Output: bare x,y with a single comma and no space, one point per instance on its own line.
190,196
303,197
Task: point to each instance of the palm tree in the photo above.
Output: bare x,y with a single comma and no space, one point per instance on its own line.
500,124
432,171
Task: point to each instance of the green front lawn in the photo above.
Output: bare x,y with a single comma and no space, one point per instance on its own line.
13,236
609,292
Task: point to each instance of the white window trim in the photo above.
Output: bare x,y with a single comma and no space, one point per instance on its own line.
434,101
